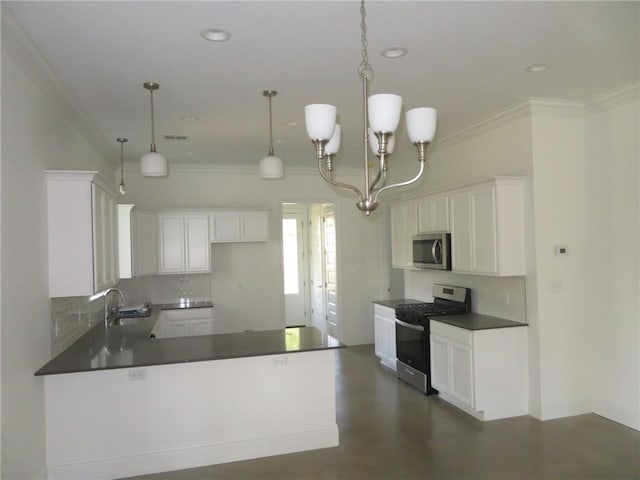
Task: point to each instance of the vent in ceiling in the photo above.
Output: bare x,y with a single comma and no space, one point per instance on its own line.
176,137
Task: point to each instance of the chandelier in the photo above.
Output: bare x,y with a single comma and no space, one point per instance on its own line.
382,114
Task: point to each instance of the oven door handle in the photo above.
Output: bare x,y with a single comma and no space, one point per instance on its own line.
420,328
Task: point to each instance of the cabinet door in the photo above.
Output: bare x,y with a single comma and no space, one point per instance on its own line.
175,328
225,227
483,227
105,255
172,247
404,225
202,326
145,243
439,363
255,227
385,340
433,214
461,255
461,373
197,243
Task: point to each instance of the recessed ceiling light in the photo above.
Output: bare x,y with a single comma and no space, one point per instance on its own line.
539,67
188,118
215,35
291,124
395,52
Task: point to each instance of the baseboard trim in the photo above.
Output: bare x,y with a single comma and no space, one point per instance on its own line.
197,456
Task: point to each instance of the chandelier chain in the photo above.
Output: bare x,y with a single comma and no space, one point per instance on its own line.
364,69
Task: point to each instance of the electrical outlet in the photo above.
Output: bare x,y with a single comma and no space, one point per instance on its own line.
278,362
137,375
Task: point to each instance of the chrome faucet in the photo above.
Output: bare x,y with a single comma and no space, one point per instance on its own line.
106,310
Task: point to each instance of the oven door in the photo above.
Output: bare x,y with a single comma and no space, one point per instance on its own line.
411,345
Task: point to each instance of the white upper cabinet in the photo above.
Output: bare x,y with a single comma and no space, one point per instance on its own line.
404,225
239,226
487,228
82,233
184,242
433,214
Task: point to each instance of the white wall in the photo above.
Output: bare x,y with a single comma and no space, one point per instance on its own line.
582,309
560,217
613,203
247,278
36,135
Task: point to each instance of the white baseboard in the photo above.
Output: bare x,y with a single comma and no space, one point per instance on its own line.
197,456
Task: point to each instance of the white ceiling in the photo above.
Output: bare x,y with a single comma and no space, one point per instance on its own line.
467,59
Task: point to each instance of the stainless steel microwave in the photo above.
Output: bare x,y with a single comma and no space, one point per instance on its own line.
432,250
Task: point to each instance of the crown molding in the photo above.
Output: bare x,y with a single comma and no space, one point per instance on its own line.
235,169
609,99
507,115
614,98
19,46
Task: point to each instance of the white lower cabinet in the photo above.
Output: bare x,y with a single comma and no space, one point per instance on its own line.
184,323
385,335
483,372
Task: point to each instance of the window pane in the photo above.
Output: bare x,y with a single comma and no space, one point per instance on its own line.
290,255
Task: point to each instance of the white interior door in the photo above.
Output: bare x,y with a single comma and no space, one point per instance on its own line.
295,269
330,270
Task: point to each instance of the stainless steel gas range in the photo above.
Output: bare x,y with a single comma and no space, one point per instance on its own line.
413,364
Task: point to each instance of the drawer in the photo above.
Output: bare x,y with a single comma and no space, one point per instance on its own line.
188,313
384,311
449,332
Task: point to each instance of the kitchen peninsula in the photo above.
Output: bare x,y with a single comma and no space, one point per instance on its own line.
119,403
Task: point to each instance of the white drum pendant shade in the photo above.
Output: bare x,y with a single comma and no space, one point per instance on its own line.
152,164
271,167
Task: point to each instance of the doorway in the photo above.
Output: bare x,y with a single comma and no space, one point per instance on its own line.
309,252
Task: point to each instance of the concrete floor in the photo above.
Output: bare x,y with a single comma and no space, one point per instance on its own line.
390,431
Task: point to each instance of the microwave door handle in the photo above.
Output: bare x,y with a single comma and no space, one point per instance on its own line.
410,325
435,249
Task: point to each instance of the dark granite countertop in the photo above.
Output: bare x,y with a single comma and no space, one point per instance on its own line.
397,302
476,321
129,346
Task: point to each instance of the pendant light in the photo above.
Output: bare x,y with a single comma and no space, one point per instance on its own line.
122,140
271,167
382,112
152,164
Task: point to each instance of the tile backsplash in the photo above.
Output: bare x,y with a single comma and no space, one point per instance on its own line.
166,288
72,317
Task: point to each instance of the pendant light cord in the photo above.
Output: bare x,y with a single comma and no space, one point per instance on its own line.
121,162
270,130
153,129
